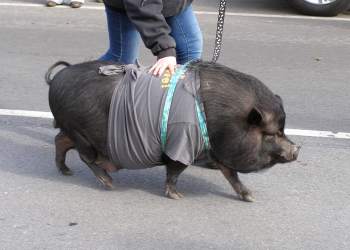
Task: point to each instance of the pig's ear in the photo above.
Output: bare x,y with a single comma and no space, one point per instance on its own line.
279,99
254,117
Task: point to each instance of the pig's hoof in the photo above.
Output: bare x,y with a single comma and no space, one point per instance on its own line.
106,182
109,186
173,194
65,171
248,197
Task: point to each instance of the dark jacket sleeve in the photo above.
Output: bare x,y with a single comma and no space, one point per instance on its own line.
147,16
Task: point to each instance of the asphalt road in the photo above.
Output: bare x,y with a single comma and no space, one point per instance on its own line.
303,205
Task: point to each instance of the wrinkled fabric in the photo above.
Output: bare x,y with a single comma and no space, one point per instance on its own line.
112,69
135,117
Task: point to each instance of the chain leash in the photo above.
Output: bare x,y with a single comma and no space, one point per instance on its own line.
219,30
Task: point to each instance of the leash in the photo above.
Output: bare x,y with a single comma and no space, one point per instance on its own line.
180,71
219,30
166,110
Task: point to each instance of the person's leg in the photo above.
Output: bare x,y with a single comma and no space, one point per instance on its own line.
187,34
124,39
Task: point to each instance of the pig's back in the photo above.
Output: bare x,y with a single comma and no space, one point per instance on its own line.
79,99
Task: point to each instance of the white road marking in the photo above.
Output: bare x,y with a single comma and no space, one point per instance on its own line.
286,16
26,113
240,14
296,132
317,133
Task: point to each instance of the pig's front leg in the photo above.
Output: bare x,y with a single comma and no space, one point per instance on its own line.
232,176
105,164
173,170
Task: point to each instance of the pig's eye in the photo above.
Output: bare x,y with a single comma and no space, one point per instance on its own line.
269,137
266,133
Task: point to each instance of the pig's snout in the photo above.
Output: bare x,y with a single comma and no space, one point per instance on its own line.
292,153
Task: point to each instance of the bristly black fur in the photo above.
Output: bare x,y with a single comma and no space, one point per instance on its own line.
229,96
239,109
79,99
245,122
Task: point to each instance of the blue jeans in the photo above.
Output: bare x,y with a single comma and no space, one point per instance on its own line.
124,39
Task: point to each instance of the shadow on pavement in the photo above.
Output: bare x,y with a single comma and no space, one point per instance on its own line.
30,152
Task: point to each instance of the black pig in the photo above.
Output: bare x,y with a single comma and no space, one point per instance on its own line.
245,122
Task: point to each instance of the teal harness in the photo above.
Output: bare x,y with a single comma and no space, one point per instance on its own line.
165,116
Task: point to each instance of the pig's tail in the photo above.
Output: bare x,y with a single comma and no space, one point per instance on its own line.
48,78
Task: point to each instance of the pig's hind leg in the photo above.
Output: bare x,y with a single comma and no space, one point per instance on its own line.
173,170
89,155
63,143
232,176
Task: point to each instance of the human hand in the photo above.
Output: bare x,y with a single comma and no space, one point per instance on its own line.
162,64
